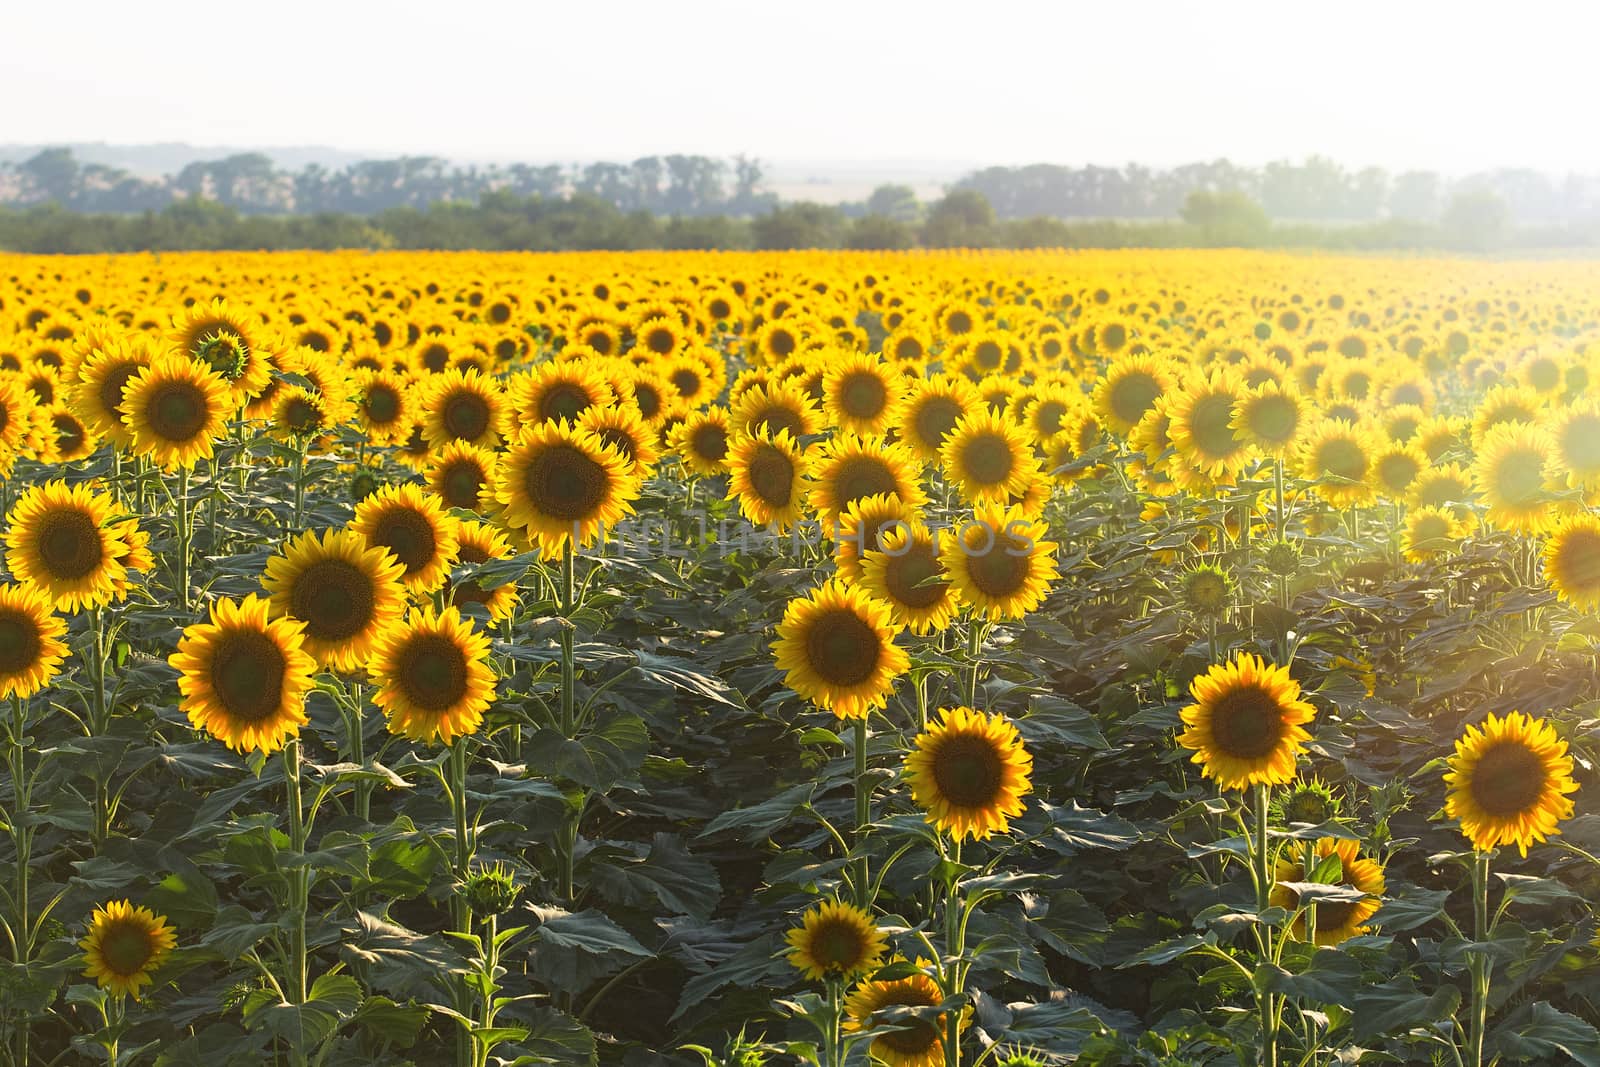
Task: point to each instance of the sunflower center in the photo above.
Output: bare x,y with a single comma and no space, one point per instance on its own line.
435,357
1273,419
177,412
648,398
620,440
564,401
919,1035
836,946
462,484
126,947
1577,561
1508,779
1134,395
999,572
409,535
1048,415
302,415
465,416
247,675
1520,477
772,476
842,649
19,644
1398,472
988,459
863,476
566,483
432,672
1580,444
1247,723
685,381
334,599
710,442
968,770
775,420
69,433
69,544
906,574
936,419
863,395
1343,459
1208,424
660,341
111,387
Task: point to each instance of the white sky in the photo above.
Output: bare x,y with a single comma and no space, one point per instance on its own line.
1400,83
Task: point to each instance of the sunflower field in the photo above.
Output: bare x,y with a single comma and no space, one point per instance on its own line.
716,660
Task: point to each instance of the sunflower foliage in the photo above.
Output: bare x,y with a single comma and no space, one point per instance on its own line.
1160,658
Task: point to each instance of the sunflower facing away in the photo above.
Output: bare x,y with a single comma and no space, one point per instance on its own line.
244,675
999,562
414,526
1508,782
175,410
124,946
917,1041
60,539
1247,723
31,649
1332,921
969,773
1572,562
836,647
836,940
562,485
433,675
769,474
344,590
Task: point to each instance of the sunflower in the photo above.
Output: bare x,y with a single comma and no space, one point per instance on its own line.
1504,405
906,574
769,474
433,675
649,392
481,543
124,946
1572,561
701,441
1332,921
16,406
622,428
969,772
988,458
836,647
931,410
61,540
836,940
660,337
555,391
199,322
848,468
862,526
1337,458
1132,386
413,525
1246,725
776,408
690,377
31,649
1575,435
66,439
564,485
1396,468
916,1041
1514,473
97,394
1201,429
463,476
999,562
907,344
1206,590
175,410
298,414
1441,436
462,406
244,676
860,394
1431,534
345,591
1449,486
1508,782
1271,417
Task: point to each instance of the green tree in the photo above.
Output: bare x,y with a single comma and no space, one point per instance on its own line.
962,219
1226,217
1476,219
802,225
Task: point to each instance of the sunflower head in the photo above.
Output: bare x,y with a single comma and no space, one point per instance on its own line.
836,940
1307,800
999,562
31,649
969,773
1206,590
836,647
175,409
1508,782
1572,562
243,676
561,484
769,475
1246,726
492,889
414,526
917,1036
1337,863
344,591
124,946
62,540
433,675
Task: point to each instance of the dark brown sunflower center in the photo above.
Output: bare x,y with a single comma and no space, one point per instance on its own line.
1247,722
660,341
465,416
302,415
863,395
177,412
1133,395
905,575
772,476
968,770
432,672
1208,423
69,433
382,405
69,544
435,358
958,322
862,476
1048,415
565,483
685,381
409,535
334,598
842,649
710,442
1003,570
461,484
1577,561
19,643
1342,459
988,459
648,398
776,419
247,674
836,946
987,354
781,343
1273,419
620,440
564,400
126,947
1508,779
936,418
111,386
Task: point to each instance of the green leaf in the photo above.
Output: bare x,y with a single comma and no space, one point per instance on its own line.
761,820
1165,951
339,993
599,760
572,950
1542,1030
1529,889
667,876
391,1023
1333,977
1399,1009
1073,828
1406,907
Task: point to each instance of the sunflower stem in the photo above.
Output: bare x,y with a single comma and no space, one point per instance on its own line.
974,647
461,910
358,754
567,842
863,815
300,883
1480,966
98,716
22,843
954,947
832,1053
299,484
185,536
1261,864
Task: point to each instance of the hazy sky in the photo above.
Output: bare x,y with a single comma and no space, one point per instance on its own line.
1402,84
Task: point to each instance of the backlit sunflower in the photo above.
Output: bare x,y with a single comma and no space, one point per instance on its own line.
298,414
556,391
124,946
701,441
1201,429
1396,468
16,405
433,675
481,543
999,561
969,773
1338,458
1449,486
860,394
462,406
1504,405
931,410
463,476
624,430
836,647
175,410
1514,474
1247,723
1271,417
1332,921
345,591
413,525
690,376
916,1041
66,438
649,391
1575,435
244,675
1131,387
97,393
31,649
776,408
988,458
836,940
769,474
1431,534
561,484
847,468
906,574
1508,781
860,528
1572,561
60,539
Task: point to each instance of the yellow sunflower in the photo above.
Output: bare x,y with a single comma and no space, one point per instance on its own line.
243,676
988,458
701,441
769,474
124,946
860,528
31,649
776,408
463,476
1332,921
1337,458
462,406
916,1041
1270,417
931,410
1132,386
175,410
564,485
61,540
905,573
414,526
1201,429
1432,534
999,562
67,439
847,468
836,940
1572,561
16,405
1508,782
1575,435
1247,723
860,394
345,591
969,772
1513,472
481,543
1396,468
97,394
836,647
556,391
433,675
622,428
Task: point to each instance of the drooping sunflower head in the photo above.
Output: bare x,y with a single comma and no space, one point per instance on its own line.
999,561
1246,726
561,484
917,1037
1340,863
124,946
61,539
175,409
433,675
836,940
344,591
905,573
1508,782
836,647
414,526
243,676
701,441
848,468
769,474
463,476
31,649
969,773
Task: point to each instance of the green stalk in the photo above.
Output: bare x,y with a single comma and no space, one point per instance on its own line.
974,647
358,751
955,974
22,842
833,1052
567,844
863,815
99,716
466,1052
299,485
1261,864
300,883
185,536
1479,964
491,963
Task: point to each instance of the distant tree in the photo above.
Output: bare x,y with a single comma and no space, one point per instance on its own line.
1476,219
702,232
1416,195
962,219
802,225
1228,217
898,202
53,174
880,232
